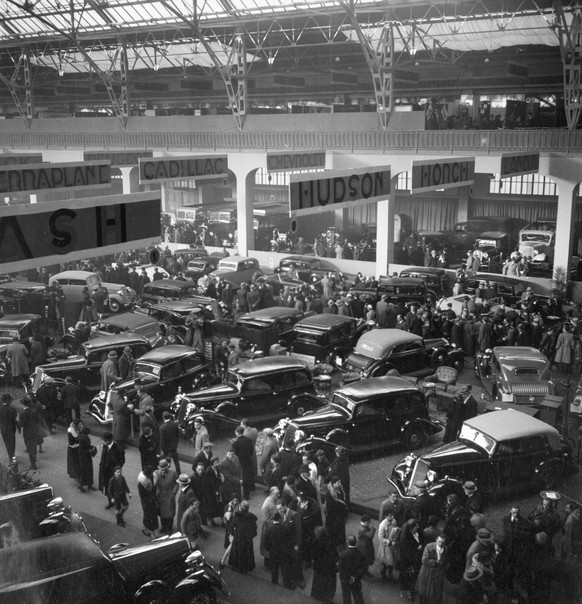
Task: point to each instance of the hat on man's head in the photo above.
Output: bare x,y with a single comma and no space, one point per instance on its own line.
6,398
352,541
470,486
107,436
484,536
207,445
127,349
183,480
268,432
112,354
163,464
473,573
340,450
199,419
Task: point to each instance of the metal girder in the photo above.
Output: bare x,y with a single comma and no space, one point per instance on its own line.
380,59
21,92
570,36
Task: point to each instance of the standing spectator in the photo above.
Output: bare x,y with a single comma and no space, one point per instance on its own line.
191,524
410,556
336,512
325,558
432,572
169,439
71,400
204,456
253,434
352,567
389,547
185,496
244,530
86,453
200,435
519,543
73,461
232,472
126,362
340,466
17,357
144,401
147,447
149,421
8,424
109,371
222,354
147,497
270,448
572,531
366,533
564,349
214,480
166,485
198,485
118,492
48,396
243,449
29,420
122,413
112,455
36,353
278,543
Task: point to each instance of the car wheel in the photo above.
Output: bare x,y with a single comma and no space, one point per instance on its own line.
202,596
437,358
114,305
256,276
414,437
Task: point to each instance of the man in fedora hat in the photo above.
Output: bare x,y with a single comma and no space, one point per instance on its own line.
144,401
170,439
8,424
126,362
166,484
423,505
483,543
109,371
474,502
340,466
185,496
471,587
70,400
112,455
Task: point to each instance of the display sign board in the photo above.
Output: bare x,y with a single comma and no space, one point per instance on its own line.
337,189
118,158
442,174
285,162
513,164
33,235
10,159
55,177
182,168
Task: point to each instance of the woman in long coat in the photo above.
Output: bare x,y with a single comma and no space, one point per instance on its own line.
564,349
242,554
166,490
213,480
73,463
389,546
325,559
85,460
148,499
432,572
410,556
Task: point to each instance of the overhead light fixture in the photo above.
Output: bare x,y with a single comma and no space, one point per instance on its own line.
156,66
486,60
61,72
416,63
270,58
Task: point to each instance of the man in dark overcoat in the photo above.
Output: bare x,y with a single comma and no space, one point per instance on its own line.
112,455
8,424
352,567
243,449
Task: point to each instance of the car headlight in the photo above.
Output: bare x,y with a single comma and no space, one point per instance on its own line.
195,560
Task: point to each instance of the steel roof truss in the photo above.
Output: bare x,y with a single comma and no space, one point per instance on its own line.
20,87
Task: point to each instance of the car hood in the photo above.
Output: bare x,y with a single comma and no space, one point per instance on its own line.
63,364
327,416
452,453
357,361
213,391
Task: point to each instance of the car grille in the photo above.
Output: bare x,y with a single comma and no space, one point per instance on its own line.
529,393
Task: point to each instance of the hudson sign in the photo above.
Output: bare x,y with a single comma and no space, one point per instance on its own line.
333,190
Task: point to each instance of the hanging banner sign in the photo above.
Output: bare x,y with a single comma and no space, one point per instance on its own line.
181,168
55,177
285,162
513,164
442,174
117,158
19,160
333,190
76,229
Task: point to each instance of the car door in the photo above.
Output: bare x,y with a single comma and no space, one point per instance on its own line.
259,397
368,424
408,357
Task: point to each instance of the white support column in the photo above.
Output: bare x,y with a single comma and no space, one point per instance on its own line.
463,205
385,231
565,223
244,168
164,194
130,179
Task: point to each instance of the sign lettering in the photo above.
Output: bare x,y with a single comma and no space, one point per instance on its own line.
282,162
76,229
332,190
42,177
442,174
519,163
118,158
176,168
18,160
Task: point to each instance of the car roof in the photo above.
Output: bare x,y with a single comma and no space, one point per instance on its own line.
41,559
191,303
520,355
259,366
18,319
379,385
308,259
510,424
128,319
170,284
113,340
22,285
167,353
75,274
274,312
373,343
539,286
400,281
423,270
493,235
237,258
324,320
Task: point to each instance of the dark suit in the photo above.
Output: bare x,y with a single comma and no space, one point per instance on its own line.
169,440
149,420
8,427
185,498
243,449
352,567
201,457
111,456
71,401
470,408
278,542
519,543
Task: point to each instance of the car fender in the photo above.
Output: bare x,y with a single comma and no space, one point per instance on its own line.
157,588
312,400
201,579
431,426
338,436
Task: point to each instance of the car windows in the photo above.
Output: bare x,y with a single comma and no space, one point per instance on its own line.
368,410
301,378
285,381
256,385
172,371
533,444
140,349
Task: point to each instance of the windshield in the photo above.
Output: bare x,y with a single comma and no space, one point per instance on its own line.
538,237
7,335
148,368
473,436
293,264
233,378
197,264
340,401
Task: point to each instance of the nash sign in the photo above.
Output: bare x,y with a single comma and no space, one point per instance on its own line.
442,174
519,163
182,168
333,190
76,229
285,162
54,177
